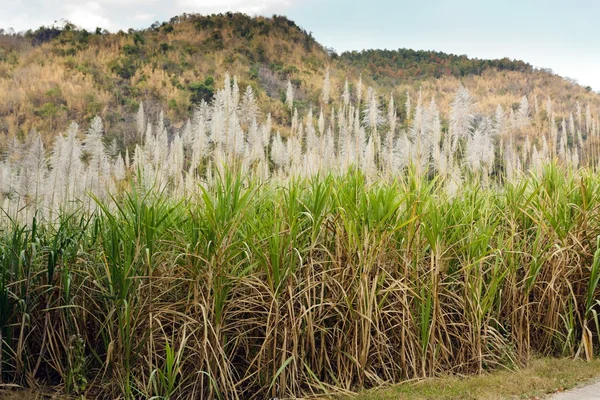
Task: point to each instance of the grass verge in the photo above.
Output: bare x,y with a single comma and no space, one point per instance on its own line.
542,377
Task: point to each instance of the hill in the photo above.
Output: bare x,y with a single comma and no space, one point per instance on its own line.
393,66
54,75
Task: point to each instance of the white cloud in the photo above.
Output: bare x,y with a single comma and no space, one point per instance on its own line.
144,17
246,6
88,15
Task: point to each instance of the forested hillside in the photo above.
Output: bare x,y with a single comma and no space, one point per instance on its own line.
54,75
392,66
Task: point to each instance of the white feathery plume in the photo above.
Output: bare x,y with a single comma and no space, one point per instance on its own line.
5,178
235,96
387,155
536,161
141,121
359,91
562,148
113,149
294,150
512,120
255,146
238,142
199,143
332,119
509,164
160,125
565,133
190,184
226,91
408,107
295,121
311,140
443,159
434,124
176,158
266,131
480,148
575,159
217,127
249,110
434,133
368,162
373,117
402,151
119,168
33,170
321,122
526,150
219,158
344,119
149,138
301,140
523,113
545,149
346,94
500,121
474,150
488,156
462,114
518,165
309,166
571,125
361,145
391,115
66,170
187,134
210,179
454,181
139,159
127,159
98,166
202,114
326,88
418,137
553,135
289,95
279,152
161,147
328,152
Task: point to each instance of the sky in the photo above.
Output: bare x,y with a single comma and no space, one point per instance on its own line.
557,34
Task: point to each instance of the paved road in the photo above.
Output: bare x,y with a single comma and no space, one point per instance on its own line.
590,392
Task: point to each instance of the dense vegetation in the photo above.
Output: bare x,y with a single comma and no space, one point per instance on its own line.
54,75
296,232
224,261
394,66
252,291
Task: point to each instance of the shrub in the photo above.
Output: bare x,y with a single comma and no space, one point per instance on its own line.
202,90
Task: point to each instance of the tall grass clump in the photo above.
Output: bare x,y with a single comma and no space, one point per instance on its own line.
350,251
323,284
